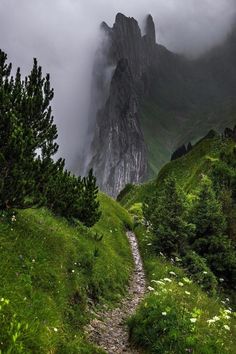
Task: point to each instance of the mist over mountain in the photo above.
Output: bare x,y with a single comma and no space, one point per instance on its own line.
64,35
157,100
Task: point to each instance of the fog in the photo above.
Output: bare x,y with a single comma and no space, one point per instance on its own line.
64,35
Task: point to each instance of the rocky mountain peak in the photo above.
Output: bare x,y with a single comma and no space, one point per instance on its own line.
150,30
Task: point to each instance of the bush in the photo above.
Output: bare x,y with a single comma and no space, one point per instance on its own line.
164,325
200,272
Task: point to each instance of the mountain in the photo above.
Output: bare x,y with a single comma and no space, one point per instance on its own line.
155,102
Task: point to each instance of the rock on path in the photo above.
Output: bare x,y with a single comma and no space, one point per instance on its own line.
109,330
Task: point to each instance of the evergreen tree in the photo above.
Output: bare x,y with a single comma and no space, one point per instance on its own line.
16,140
89,212
207,216
210,240
168,216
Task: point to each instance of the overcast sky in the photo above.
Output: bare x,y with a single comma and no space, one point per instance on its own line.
64,34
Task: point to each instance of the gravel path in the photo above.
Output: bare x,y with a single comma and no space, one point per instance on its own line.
109,330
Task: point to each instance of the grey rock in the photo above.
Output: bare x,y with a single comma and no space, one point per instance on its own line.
118,151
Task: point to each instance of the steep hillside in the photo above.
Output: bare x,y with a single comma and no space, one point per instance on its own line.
188,170
190,305
177,316
53,274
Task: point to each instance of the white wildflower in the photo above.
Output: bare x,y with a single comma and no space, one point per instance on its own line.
227,327
160,282
164,313
216,318
187,292
150,288
180,283
187,280
168,280
193,320
172,273
228,311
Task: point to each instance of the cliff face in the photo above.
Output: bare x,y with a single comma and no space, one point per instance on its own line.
119,153
153,102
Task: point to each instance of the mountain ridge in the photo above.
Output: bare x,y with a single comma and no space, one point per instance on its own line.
177,100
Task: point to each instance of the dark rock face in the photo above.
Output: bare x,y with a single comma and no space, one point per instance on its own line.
119,153
230,133
176,99
181,151
119,145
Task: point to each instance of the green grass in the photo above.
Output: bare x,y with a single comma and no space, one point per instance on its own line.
187,170
53,273
173,318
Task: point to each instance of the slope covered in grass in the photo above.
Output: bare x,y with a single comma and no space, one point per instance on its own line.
52,273
187,170
177,316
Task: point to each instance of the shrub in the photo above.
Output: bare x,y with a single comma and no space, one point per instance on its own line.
200,272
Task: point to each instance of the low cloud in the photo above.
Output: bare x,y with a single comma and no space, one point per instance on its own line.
64,34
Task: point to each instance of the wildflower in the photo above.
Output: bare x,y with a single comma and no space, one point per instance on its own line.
180,284
187,280
227,327
168,280
228,311
164,313
149,244
160,282
33,260
193,320
150,288
221,280
216,318
205,272
55,329
172,273
73,271
187,292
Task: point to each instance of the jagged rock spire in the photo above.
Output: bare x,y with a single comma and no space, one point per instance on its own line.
150,29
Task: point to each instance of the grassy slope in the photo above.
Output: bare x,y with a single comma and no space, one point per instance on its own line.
51,271
187,170
162,324
171,298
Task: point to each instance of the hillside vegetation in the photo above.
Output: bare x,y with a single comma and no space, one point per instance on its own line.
53,274
184,222
177,315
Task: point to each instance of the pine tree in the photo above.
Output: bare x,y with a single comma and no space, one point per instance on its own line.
210,239
89,212
207,216
169,220
16,155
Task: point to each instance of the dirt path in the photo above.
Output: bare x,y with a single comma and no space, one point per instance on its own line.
109,330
